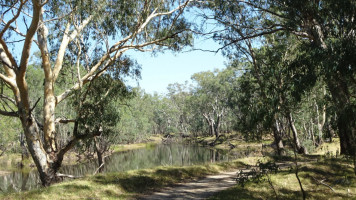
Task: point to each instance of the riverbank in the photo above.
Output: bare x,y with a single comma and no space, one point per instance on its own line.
317,172
331,178
12,161
234,143
126,185
322,177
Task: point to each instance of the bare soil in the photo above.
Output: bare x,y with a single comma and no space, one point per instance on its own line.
200,189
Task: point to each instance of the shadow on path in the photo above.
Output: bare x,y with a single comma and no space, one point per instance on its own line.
200,189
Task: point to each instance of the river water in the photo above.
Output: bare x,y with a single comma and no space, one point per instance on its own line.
149,157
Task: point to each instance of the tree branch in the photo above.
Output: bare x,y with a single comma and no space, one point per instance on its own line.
117,48
9,81
65,41
9,114
65,121
13,19
29,38
6,57
2,96
73,141
34,106
250,37
322,183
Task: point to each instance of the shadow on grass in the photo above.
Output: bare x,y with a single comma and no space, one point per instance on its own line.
145,180
72,187
238,192
138,184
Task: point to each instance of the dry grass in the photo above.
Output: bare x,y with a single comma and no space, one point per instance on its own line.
123,185
328,148
335,172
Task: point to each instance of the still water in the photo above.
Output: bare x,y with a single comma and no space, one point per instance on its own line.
152,156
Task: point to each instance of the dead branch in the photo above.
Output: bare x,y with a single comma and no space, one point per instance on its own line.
322,183
68,176
64,121
99,168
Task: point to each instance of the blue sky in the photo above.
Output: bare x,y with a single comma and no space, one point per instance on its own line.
165,68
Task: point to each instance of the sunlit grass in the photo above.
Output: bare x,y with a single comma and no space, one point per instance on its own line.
9,161
153,141
227,139
327,147
78,189
123,185
335,172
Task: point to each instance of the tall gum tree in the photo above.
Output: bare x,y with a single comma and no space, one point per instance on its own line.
326,30
96,33
210,96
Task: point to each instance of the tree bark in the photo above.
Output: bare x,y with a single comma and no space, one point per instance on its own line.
99,153
339,89
322,121
217,127
298,146
346,116
210,124
46,167
24,153
277,133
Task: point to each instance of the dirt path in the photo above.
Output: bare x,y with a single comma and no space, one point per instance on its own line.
203,188
200,189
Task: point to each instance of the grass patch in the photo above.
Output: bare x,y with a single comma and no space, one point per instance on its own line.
331,148
152,142
227,139
9,161
335,172
124,185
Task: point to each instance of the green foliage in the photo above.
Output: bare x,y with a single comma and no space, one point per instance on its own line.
97,112
332,172
294,46
258,174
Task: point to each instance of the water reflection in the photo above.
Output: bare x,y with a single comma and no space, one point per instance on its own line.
159,155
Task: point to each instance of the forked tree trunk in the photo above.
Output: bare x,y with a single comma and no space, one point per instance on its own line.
321,122
99,153
214,126
277,134
217,127
210,124
46,167
298,146
24,152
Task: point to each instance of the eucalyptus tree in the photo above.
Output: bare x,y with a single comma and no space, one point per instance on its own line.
136,117
326,31
178,94
210,95
97,113
268,93
90,36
